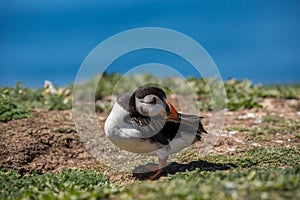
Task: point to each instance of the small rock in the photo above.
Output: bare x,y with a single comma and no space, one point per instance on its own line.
258,121
232,132
102,118
278,141
229,113
230,149
250,115
247,116
238,140
256,144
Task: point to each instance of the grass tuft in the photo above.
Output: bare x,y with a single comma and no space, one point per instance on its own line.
260,157
11,109
51,185
273,119
17,102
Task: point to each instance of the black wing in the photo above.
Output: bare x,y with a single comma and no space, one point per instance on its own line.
148,126
158,129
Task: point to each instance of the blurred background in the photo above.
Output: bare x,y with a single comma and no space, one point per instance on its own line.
48,40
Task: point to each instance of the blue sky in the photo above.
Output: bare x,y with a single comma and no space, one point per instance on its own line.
48,40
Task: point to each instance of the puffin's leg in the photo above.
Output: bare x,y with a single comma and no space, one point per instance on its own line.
162,163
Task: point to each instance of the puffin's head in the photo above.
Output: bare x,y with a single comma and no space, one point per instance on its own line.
152,101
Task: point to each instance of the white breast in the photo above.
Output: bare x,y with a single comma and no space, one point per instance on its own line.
124,135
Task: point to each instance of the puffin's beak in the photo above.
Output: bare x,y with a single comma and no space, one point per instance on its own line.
173,116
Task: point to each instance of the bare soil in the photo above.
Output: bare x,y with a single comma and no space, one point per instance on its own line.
48,140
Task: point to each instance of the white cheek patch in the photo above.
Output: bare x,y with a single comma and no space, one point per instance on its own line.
142,108
148,109
156,110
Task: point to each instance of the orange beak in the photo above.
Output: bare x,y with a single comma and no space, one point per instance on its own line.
173,116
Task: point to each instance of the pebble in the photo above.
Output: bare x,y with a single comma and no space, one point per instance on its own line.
224,135
278,141
102,118
247,116
239,140
230,149
256,145
232,132
258,121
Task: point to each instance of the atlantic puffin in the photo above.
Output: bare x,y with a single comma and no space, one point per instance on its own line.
145,122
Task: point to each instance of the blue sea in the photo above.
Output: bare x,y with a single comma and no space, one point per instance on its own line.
48,40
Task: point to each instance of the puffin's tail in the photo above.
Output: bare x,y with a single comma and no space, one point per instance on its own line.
193,122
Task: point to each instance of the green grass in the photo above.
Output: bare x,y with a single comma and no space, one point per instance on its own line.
239,94
260,157
297,107
65,185
254,183
11,109
273,119
17,102
261,173
271,126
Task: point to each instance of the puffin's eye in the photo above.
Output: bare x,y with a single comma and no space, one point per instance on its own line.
152,101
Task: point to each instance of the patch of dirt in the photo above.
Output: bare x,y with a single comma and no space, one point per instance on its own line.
48,141
246,129
45,142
